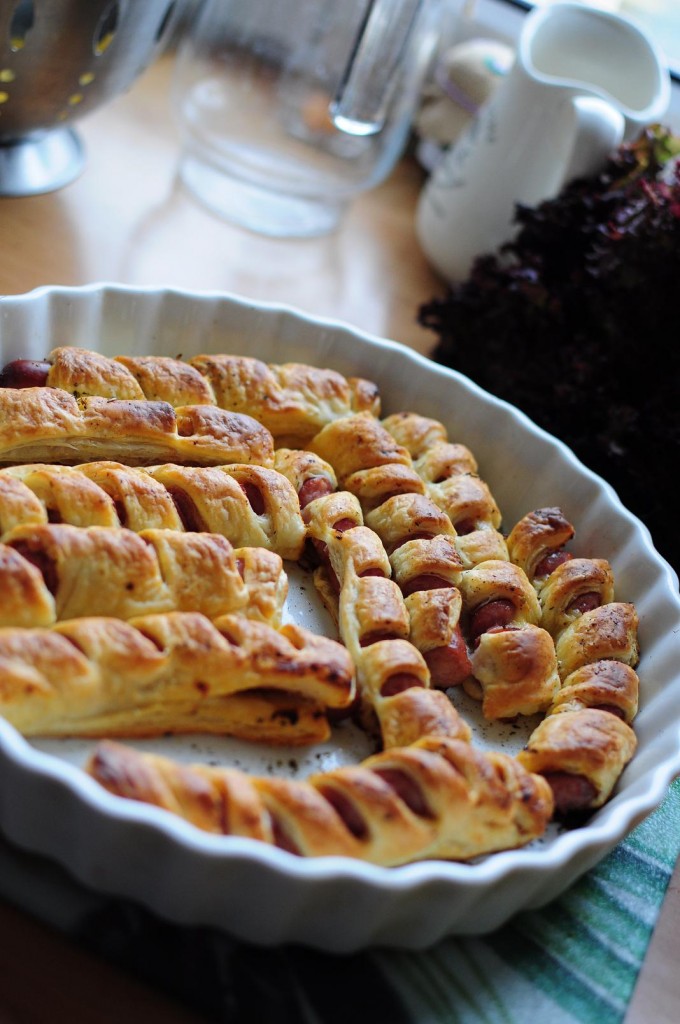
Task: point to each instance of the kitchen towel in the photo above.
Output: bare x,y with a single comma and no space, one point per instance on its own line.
574,961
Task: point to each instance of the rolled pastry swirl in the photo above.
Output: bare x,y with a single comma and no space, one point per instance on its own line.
57,572
173,673
43,424
436,798
292,400
586,739
251,506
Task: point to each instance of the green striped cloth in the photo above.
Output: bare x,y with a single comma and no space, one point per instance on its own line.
576,960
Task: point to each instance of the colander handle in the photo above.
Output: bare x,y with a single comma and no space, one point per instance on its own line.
361,103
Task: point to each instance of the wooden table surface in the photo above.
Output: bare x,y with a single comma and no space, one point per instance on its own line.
126,220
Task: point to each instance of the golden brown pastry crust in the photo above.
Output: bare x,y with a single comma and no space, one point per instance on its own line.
436,798
208,499
293,400
56,572
173,672
48,425
517,671
586,740
413,505
589,743
608,685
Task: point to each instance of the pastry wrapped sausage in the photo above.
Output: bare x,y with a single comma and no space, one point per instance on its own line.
436,798
513,662
450,475
48,425
249,505
57,572
292,400
586,740
174,672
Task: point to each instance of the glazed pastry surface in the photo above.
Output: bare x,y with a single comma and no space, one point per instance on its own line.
146,507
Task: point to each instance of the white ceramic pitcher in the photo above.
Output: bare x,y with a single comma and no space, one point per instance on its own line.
583,81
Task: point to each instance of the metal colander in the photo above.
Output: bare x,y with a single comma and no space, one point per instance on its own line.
59,60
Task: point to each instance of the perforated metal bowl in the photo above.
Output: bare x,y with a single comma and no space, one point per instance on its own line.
59,60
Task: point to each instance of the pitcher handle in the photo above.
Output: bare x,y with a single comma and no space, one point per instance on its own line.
361,103
598,130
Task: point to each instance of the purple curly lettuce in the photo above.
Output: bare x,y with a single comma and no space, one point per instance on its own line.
577,322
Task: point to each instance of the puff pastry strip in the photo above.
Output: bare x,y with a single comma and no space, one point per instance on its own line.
379,472
513,662
55,572
175,672
249,505
393,677
451,478
586,740
292,400
48,425
436,798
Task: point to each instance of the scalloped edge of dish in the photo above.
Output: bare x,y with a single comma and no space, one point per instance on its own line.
259,893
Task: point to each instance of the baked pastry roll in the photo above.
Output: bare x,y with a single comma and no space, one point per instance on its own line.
171,673
606,685
436,798
48,425
516,670
398,706
376,485
371,608
249,505
445,460
497,593
291,399
357,442
426,563
607,632
450,475
575,586
581,754
467,501
310,476
434,628
65,572
536,542
418,434
407,517
40,493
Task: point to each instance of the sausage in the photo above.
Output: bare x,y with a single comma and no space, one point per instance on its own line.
25,373
313,488
426,581
585,602
450,665
254,496
612,709
345,810
186,510
375,635
490,615
41,561
465,526
398,682
572,793
407,789
551,561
